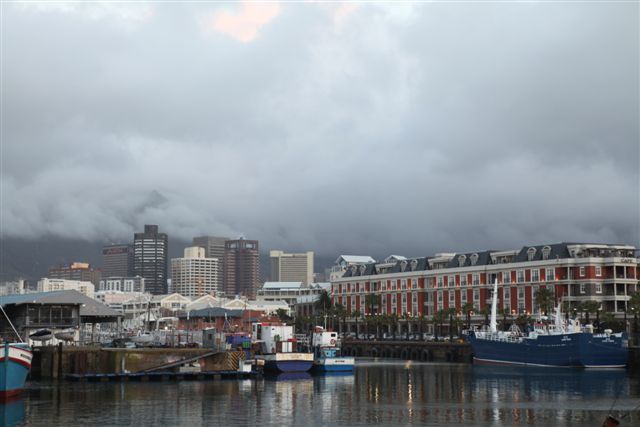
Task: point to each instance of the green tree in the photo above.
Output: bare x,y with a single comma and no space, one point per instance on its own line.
324,305
504,312
467,309
451,313
283,315
341,314
590,307
356,315
523,321
373,302
393,323
438,320
544,299
486,311
422,322
634,307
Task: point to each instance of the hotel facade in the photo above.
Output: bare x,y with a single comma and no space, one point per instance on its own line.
574,272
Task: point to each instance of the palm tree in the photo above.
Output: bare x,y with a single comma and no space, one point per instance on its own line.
324,304
406,318
437,319
393,323
523,321
356,315
451,312
283,315
544,299
467,309
422,321
341,313
486,310
372,301
590,307
505,312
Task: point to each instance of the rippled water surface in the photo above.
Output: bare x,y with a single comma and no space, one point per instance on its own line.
378,393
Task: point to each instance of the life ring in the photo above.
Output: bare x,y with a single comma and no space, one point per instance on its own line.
332,342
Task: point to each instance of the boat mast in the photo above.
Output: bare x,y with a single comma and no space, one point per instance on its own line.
493,325
9,320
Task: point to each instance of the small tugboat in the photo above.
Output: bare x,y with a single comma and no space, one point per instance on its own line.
326,353
15,364
278,349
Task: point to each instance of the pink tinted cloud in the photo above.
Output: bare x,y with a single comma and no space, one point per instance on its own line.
244,25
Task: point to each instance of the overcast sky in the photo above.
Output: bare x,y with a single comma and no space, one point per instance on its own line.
363,128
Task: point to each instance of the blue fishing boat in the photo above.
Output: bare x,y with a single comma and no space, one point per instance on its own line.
557,344
15,363
327,357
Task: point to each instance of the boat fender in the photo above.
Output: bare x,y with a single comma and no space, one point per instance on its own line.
332,342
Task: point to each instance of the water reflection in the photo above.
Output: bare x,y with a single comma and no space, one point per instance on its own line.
379,394
12,412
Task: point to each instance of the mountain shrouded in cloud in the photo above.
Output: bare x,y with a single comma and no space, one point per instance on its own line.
372,129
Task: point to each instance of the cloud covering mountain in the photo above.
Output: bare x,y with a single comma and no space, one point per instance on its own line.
340,128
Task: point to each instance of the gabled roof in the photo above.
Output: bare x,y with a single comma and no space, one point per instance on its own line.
558,250
88,306
484,258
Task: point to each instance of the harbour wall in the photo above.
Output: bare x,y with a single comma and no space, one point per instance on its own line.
410,350
53,362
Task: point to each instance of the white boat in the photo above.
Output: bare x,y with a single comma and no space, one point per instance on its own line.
327,357
41,335
143,338
66,335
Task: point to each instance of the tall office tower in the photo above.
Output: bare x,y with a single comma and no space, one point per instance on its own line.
291,267
194,275
150,251
213,248
117,261
242,267
76,271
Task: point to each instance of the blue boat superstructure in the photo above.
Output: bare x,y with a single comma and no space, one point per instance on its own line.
15,363
327,357
556,343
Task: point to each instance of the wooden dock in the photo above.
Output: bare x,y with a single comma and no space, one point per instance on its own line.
162,376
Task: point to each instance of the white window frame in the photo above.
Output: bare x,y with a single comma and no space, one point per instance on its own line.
548,278
598,288
449,281
520,276
598,271
583,271
583,288
476,278
506,277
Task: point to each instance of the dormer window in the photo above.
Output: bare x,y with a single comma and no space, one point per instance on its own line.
531,253
403,265
362,270
461,260
414,264
545,252
474,259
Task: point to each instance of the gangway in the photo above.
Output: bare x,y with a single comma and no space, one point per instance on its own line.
179,362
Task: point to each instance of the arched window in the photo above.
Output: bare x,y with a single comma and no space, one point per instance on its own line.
545,252
531,253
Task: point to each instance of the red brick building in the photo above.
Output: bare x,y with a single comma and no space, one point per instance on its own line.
575,272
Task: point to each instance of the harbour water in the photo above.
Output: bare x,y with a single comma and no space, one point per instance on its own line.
377,393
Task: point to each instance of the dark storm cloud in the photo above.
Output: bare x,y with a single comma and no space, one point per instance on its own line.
342,129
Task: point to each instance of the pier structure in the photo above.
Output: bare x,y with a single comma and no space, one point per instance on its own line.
422,351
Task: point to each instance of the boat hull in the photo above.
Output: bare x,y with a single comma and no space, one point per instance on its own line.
287,362
15,363
334,364
564,350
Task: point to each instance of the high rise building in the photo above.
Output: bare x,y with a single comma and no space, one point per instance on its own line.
150,259
76,271
213,248
291,267
117,261
195,275
242,267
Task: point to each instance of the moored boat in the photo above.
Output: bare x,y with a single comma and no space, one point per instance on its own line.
278,348
41,335
327,357
557,344
15,363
